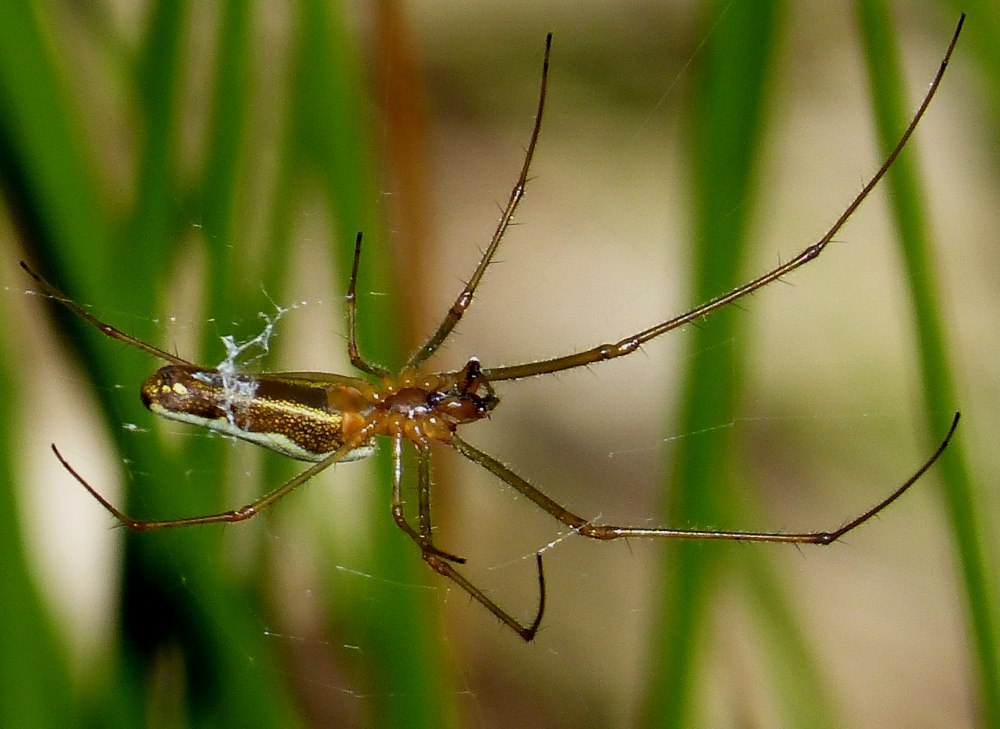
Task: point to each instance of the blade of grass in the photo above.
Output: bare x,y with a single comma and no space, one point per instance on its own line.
403,654
800,685
178,596
211,625
726,133
35,687
48,190
939,397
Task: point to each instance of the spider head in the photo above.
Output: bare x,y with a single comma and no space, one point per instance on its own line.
469,396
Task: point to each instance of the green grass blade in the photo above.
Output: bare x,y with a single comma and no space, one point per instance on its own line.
967,528
193,648
48,189
334,150
726,132
35,688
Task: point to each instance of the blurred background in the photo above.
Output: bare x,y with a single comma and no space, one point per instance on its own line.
183,168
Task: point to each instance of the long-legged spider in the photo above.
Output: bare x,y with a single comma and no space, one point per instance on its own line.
329,418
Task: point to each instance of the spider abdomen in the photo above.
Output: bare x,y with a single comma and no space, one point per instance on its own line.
292,414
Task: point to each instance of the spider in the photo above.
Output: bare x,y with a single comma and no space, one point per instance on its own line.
329,418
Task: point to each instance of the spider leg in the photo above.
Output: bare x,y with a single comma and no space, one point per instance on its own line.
608,532
422,537
242,513
352,331
527,632
108,330
465,297
630,344
441,562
